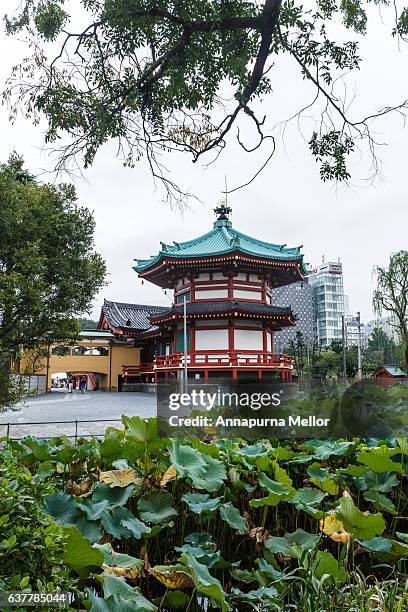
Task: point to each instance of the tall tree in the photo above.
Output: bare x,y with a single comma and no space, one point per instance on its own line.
381,349
298,349
391,294
178,76
87,324
379,340
49,270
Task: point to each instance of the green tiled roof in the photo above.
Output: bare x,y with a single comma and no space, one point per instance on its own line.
394,370
223,239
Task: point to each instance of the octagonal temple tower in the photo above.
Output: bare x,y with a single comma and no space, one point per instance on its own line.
226,279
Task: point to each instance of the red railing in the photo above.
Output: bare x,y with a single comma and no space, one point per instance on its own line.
217,359
132,370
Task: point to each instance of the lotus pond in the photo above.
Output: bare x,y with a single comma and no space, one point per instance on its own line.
134,522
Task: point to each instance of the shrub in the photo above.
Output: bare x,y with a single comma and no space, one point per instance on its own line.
161,525
31,544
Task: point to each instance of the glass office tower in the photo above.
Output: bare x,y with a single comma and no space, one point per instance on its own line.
327,282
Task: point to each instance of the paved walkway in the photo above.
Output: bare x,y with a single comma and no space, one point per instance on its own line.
57,406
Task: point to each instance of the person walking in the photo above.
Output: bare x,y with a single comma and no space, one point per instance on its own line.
82,385
70,387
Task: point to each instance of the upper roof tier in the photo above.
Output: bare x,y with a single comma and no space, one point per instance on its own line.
230,244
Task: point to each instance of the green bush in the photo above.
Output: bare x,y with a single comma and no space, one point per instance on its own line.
31,543
10,393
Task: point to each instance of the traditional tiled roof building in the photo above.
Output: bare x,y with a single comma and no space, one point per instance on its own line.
223,284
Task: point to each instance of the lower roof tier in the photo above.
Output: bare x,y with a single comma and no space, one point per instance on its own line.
283,317
144,321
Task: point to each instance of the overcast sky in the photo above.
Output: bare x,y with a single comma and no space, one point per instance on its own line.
361,224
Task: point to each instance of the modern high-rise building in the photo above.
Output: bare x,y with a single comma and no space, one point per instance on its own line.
299,296
346,305
327,283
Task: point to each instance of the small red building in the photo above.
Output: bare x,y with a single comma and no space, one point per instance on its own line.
226,279
389,374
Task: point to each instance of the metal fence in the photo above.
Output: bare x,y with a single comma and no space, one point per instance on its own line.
71,429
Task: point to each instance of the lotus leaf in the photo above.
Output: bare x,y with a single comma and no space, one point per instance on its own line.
362,525
232,516
156,507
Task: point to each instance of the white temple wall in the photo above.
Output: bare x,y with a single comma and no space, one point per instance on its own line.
249,323
247,295
210,294
212,322
211,339
248,340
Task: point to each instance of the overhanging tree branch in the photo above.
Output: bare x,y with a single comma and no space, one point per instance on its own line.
176,77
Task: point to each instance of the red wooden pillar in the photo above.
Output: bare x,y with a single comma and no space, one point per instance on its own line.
231,344
265,343
206,376
230,286
231,348
259,374
192,289
264,291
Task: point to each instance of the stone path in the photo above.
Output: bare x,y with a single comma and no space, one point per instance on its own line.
48,411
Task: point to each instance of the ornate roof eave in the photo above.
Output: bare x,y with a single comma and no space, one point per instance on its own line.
116,329
222,243
286,319
276,324
235,256
149,334
127,319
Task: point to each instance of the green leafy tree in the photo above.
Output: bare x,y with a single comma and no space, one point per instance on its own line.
178,76
331,361
336,346
379,340
49,270
373,361
380,349
87,324
400,355
351,362
298,350
391,295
